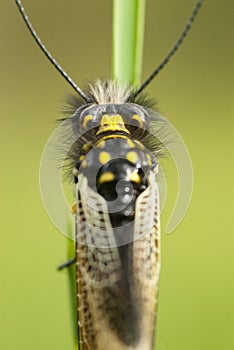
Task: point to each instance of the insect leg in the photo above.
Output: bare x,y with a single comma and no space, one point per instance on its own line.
66,264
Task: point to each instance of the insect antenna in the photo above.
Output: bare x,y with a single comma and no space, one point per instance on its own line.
173,50
48,54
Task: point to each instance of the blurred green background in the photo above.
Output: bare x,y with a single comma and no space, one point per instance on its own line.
195,92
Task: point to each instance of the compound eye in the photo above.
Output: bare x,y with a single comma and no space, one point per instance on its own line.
137,120
86,122
137,124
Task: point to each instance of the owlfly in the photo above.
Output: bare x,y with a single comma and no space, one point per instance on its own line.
114,165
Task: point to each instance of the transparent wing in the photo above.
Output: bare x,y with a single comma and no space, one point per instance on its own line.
117,285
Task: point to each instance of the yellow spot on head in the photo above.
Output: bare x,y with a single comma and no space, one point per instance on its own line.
106,177
112,123
87,118
104,157
138,119
132,157
81,157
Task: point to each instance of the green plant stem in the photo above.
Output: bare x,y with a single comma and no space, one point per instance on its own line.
128,40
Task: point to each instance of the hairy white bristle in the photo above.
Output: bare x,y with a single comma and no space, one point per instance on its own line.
109,91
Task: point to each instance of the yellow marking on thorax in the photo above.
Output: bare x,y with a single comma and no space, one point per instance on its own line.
132,157
134,177
104,157
101,143
106,177
130,143
112,123
86,147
